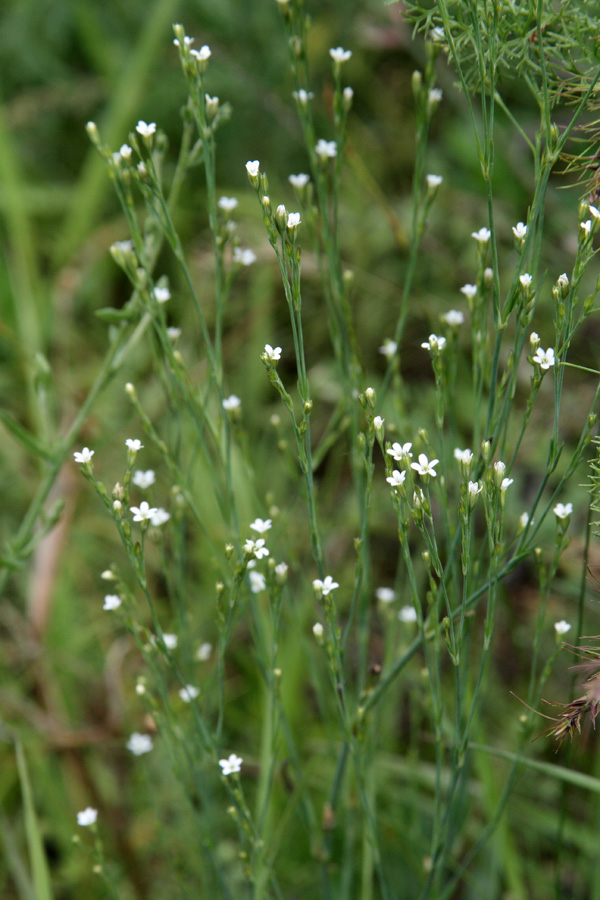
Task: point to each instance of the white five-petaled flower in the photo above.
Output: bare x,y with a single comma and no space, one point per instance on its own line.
112,601
482,236
388,348
231,765
202,54
400,451
160,517
378,423
134,444
261,525
161,294
525,280
474,488
469,290
293,220
231,402
244,256
256,548
139,744
425,466
563,510
299,181
385,594
83,456
544,358
273,354
397,478
339,55
144,129
144,480
326,149
125,151
87,817
252,167
453,317
433,181
144,512
520,230
326,586
189,693
434,343
227,204
562,627
408,614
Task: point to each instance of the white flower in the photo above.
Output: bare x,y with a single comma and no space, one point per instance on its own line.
506,483
173,333
434,181
525,280
453,317
408,614
203,652
326,586
143,512
252,168
499,468
534,341
562,627
142,170
231,402
187,41
474,488
273,354
293,220
171,641
348,94
302,96
586,227
400,451
189,693
87,817
424,466
258,582
520,230
434,96
134,444
139,744
595,212
145,130
202,54
482,236
469,290
257,548
161,294
281,570
318,630
326,149
231,765
544,358
563,510
228,204
125,151
143,479
112,601
378,423
463,456
396,478
385,594
563,280
524,519
437,34
299,181
85,456
261,525
388,348
160,517
434,343
339,55
244,256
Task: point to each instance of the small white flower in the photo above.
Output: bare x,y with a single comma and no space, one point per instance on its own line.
520,230
189,693
544,358
299,181
339,55
85,456
144,479
500,468
563,510
293,220
326,586
302,96
257,548
139,744
482,236
227,204
453,317
145,130
378,423
141,169
261,525
252,168
396,478
203,652
400,451
563,280
463,456
408,614
231,765
273,354
524,519
562,627
434,96
161,294
244,256
469,290
506,483
143,512
281,570
525,280
348,94
385,594
388,348
318,630
134,444
437,35
125,151
231,402
160,517
474,488
586,227
112,601
534,341
171,641
173,333
87,817
258,582
434,343
326,149
202,54
434,181
187,41
424,466
595,212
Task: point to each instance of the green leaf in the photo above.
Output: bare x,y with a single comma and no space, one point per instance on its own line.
37,857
